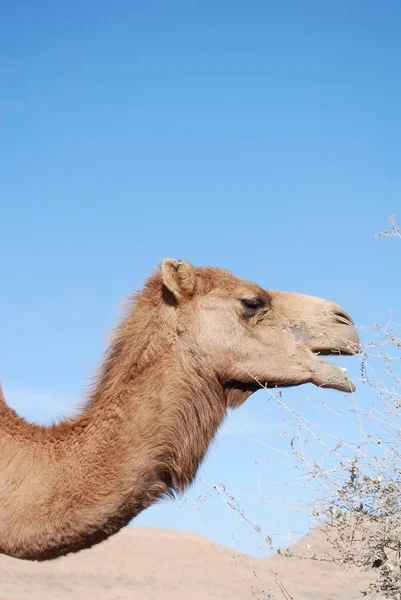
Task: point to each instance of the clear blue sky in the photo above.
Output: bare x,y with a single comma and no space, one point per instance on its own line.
263,137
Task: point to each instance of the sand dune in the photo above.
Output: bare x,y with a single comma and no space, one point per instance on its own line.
154,564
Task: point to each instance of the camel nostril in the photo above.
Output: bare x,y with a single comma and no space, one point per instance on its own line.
343,318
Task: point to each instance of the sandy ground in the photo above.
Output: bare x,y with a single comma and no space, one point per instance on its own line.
154,564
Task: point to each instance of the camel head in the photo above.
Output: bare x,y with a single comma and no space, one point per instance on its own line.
249,336
195,342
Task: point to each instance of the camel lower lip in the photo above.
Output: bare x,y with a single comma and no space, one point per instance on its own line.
330,375
346,386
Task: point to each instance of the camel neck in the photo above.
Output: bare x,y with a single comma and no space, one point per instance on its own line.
82,480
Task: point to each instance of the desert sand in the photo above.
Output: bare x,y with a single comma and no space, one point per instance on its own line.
155,564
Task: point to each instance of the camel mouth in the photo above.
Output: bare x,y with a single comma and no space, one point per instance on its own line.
330,375
338,340
350,350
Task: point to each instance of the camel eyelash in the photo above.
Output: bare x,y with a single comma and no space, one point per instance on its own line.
252,304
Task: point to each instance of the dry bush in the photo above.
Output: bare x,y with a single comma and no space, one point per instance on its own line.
360,484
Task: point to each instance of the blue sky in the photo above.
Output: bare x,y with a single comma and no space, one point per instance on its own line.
262,137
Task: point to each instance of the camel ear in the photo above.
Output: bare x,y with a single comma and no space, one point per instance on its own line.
178,277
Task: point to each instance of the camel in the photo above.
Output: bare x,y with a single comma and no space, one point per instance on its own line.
194,343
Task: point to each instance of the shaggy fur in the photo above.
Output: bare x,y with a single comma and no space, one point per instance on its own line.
194,342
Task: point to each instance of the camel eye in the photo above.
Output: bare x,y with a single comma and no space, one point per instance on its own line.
252,304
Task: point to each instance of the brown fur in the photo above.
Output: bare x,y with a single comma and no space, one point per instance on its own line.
187,350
